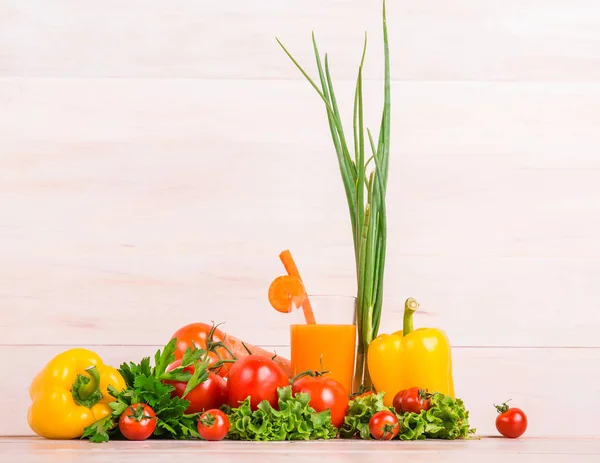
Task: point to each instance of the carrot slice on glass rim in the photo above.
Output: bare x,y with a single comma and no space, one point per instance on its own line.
286,292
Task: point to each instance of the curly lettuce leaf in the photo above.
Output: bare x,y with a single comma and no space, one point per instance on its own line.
446,418
360,411
450,417
295,420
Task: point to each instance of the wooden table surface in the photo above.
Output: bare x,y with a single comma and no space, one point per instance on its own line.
492,449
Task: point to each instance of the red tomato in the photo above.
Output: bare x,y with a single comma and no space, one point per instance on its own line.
511,422
213,425
195,334
255,377
384,425
211,393
412,400
137,422
325,394
397,403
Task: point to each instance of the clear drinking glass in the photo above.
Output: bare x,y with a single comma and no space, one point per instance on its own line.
328,345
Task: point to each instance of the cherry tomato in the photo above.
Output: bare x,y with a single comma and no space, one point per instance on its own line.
511,422
384,425
213,425
255,377
397,403
211,393
325,394
195,334
412,400
137,422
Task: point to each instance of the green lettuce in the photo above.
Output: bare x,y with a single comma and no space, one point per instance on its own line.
295,420
446,418
360,411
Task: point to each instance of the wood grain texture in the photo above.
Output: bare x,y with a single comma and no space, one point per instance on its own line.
157,156
532,378
128,197
532,40
551,450
431,40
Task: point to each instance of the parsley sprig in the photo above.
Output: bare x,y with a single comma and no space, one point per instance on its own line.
145,385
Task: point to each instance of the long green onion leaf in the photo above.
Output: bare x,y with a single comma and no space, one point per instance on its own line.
336,112
348,184
367,214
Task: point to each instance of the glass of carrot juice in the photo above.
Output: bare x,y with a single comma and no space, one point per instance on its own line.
328,345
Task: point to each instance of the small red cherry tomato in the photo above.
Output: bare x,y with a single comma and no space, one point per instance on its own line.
511,422
137,422
412,400
397,403
384,425
213,425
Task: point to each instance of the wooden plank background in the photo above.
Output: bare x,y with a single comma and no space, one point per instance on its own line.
157,156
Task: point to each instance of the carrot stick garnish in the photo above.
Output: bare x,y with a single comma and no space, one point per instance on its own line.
292,269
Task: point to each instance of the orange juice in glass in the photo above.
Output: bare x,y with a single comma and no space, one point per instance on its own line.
328,345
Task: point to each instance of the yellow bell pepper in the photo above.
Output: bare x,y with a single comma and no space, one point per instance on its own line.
71,393
420,358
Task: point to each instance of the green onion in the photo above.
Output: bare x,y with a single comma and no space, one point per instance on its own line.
365,194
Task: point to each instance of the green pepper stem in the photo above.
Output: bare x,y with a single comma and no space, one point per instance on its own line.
86,390
410,307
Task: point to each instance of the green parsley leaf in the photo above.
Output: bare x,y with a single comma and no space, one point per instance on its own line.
163,427
127,373
97,432
163,359
130,370
145,385
200,375
191,356
118,407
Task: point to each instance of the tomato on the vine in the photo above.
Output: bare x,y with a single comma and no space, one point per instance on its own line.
137,422
384,425
511,422
211,393
412,400
255,377
213,425
196,335
325,394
